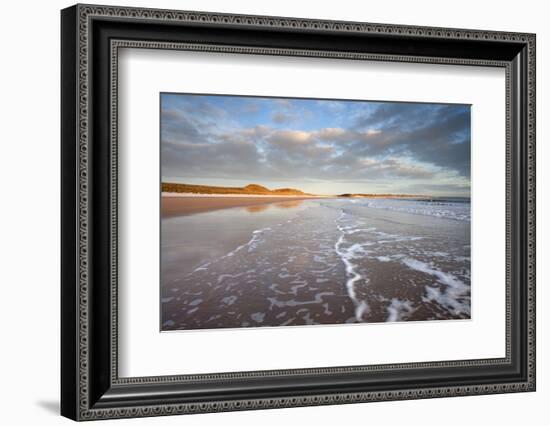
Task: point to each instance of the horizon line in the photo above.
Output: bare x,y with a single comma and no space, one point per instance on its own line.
320,194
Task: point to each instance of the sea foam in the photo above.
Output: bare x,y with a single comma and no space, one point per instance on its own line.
445,210
454,298
347,254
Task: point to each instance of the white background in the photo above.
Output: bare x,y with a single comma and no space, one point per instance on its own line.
269,348
29,225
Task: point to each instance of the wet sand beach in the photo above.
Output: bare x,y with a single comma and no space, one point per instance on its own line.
181,205
313,261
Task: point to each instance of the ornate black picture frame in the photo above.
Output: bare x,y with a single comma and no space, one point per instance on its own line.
91,387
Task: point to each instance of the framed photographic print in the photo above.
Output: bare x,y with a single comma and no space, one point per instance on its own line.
263,212
317,250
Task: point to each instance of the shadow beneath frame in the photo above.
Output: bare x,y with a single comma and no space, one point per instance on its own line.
50,406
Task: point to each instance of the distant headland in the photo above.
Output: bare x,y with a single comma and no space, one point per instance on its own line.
252,189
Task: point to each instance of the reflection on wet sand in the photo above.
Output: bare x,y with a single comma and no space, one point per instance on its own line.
292,204
281,205
176,206
257,209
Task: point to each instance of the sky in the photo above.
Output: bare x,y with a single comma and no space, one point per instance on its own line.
318,146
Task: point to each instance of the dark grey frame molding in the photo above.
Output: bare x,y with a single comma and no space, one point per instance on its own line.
91,37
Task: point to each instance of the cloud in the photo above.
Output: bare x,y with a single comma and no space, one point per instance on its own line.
438,134
395,145
332,134
290,137
177,125
280,117
222,159
458,189
401,168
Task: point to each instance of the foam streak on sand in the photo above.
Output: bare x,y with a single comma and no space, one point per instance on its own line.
251,244
451,297
399,310
317,299
361,306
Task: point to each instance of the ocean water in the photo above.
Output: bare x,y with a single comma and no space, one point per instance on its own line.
330,261
457,208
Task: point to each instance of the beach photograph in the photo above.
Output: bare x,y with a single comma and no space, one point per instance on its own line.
300,212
